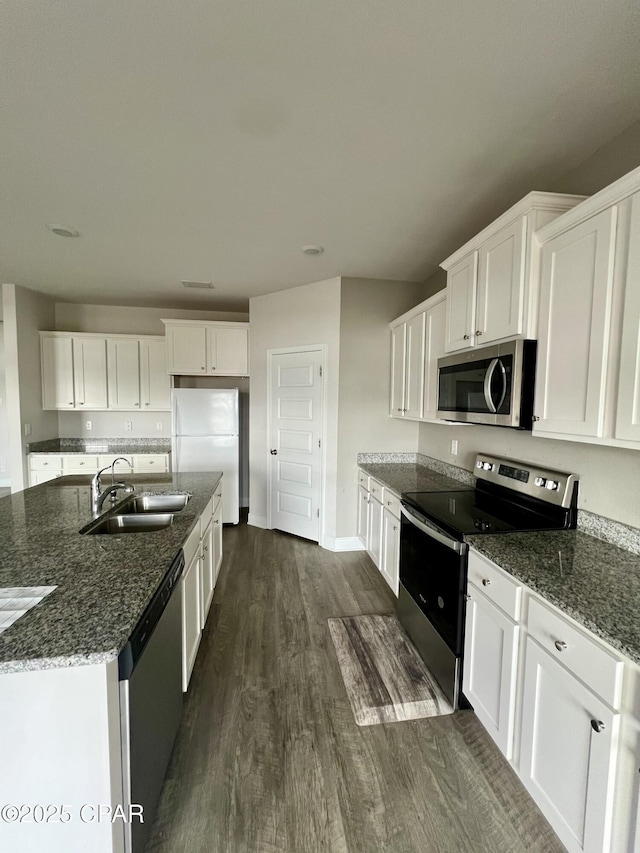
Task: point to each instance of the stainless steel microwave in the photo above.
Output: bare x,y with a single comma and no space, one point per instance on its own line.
491,385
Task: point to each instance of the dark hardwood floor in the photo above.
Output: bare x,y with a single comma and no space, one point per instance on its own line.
269,759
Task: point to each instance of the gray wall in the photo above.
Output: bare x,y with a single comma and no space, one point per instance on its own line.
5,463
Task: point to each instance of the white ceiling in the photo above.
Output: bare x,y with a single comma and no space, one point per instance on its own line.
211,140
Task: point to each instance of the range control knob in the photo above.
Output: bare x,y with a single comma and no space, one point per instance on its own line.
478,464
539,481
487,466
552,485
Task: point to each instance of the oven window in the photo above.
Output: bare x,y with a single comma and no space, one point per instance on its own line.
435,577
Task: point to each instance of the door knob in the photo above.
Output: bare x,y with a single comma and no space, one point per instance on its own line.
274,452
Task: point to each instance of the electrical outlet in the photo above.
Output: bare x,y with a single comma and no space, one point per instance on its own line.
127,426
27,429
454,447
158,425
88,425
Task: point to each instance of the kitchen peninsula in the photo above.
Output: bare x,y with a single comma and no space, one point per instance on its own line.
59,690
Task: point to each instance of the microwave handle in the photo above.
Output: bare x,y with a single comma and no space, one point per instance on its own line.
504,386
487,385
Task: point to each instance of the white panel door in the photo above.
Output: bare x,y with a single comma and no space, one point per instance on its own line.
123,359
295,432
434,334
500,307
398,355
155,382
414,379
567,752
628,415
573,336
90,372
57,373
461,303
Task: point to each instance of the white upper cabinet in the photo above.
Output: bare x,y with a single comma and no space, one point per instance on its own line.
417,342
56,353
124,373
195,348
90,372
155,382
588,371
491,293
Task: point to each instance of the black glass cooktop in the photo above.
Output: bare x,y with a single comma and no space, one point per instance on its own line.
474,511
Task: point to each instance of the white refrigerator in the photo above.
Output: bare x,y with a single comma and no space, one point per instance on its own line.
205,437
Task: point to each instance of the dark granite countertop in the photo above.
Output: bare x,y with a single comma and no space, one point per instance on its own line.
410,477
101,446
596,583
103,582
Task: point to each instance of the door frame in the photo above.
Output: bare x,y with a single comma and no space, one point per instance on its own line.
323,349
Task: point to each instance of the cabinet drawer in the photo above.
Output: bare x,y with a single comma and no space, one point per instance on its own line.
192,545
121,468
363,479
391,502
205,518
496,585
79,463
375,489
217,496
580,653
150,462
44,463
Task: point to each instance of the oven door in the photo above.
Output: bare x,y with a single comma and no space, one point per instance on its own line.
433,577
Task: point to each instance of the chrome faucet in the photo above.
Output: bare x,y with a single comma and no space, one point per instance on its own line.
98,495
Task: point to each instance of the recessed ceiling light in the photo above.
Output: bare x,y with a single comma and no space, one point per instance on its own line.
313,249
200,285
62,230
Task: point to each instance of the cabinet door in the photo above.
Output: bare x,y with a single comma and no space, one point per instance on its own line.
37,477
627,425
228,351
490,662
501,284
414,374
434,335
567,765
398,370
57,373
207,572
90,372
190,618
123,360
186,349
217,540
461,303
363,515
573,338
390,563
374,539
155,382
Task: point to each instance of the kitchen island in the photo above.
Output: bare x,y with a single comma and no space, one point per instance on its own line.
59,691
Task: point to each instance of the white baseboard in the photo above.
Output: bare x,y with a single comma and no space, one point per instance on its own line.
342,543
5,483
257,520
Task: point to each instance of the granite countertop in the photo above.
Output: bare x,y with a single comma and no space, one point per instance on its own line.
596,583
411,477
103,582
101,446
593,581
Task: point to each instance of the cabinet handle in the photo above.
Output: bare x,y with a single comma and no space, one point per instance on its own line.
274,452
535,418
213,367
465,337
478,333
215,520
71,404
202,368
486,582
389,504
560,645
146,404
151,462
82,404
136,404
598,725
398,409
395,526
45,463
467,597
206,547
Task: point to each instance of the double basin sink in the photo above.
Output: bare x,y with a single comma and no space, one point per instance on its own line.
142,514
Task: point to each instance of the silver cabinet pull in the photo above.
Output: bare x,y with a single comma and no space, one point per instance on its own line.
478,333
486,582
560,645
395,526
467,597
598,725
465,337
202,368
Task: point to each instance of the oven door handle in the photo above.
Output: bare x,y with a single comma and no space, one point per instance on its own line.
487,385
442,538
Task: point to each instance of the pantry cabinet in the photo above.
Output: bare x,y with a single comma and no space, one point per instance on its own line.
492,279
588,373
207,349
417,342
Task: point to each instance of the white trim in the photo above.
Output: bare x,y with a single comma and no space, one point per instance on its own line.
613,194
257,520
437,297
342,543
323,350
532,201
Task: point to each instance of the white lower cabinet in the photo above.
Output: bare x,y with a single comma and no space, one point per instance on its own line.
379,527
48,466
217,534
374,539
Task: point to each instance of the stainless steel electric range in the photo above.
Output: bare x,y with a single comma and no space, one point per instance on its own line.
509,496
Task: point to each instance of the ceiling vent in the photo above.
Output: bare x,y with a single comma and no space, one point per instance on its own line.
198,285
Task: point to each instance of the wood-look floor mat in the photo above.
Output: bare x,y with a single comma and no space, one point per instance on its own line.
385,678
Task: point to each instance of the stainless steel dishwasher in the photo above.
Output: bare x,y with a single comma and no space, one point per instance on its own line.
150,672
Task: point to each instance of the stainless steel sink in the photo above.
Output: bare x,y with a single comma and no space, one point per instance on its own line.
136,523
155,503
